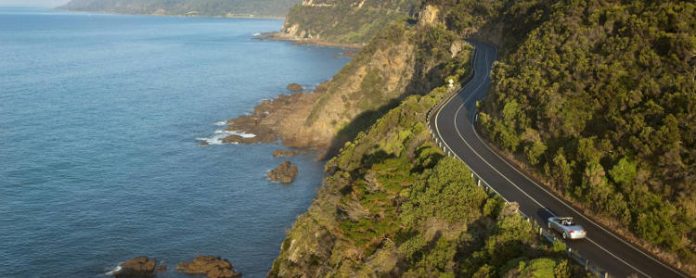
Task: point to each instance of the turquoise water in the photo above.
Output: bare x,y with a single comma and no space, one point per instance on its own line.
99,162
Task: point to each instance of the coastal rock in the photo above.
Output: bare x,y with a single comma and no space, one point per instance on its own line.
296,88
285,153
285,173
136,268
210,266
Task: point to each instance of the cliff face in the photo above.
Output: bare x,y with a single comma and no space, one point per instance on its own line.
269,8
344,21
398,62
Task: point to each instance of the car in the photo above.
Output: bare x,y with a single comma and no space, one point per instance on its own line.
567,227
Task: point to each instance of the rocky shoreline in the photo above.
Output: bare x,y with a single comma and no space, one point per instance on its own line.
280,36
280,120
146,267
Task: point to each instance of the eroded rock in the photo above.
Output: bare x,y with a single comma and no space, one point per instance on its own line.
285,173
136,268
210,266
296,88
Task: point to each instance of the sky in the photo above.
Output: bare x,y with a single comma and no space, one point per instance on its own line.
33,3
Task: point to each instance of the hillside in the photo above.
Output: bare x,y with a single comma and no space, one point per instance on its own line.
397,63
596,99
229,8
600,101
393,205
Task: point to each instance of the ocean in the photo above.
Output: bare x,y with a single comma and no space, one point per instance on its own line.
100,161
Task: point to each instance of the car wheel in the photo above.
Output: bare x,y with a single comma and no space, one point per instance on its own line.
565,235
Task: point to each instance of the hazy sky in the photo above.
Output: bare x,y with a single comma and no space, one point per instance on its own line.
33,3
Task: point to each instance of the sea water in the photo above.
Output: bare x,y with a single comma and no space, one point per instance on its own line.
99,157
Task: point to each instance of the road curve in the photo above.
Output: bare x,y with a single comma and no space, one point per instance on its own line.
453,124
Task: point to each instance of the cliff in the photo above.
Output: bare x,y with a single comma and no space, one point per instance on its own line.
228,8
402,60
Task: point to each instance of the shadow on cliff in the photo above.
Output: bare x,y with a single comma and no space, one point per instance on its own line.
360,123
423,82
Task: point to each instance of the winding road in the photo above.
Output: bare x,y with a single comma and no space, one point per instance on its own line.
453,124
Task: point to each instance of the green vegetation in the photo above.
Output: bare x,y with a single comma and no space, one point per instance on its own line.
597,96
393,204
345,21
269,8
600,97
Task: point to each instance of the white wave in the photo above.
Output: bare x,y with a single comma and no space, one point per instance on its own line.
113,271
257,34
221,123
220,135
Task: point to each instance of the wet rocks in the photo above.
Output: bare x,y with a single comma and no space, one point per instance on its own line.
295,88
136,268
210,266
285,173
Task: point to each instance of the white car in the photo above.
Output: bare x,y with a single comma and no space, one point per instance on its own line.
567,227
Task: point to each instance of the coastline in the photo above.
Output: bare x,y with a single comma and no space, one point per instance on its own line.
280,36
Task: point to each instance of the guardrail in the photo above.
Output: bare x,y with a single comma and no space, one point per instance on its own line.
545,234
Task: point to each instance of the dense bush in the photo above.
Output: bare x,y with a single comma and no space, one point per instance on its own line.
601,98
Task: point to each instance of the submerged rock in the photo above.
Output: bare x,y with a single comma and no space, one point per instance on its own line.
285,173
285,153
210,266
294,87
136,267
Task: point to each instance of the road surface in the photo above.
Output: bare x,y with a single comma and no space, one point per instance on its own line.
453,125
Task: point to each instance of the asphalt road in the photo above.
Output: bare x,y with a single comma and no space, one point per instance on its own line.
453,124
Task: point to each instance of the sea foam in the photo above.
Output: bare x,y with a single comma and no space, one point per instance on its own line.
113,271
221,134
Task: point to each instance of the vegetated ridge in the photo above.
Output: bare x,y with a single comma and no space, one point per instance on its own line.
225,8
572,97
599,101
392,203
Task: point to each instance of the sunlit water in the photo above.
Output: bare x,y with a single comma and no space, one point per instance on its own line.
99,162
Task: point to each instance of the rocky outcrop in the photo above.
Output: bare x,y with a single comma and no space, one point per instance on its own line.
136,268
295,88
210,266
285,173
